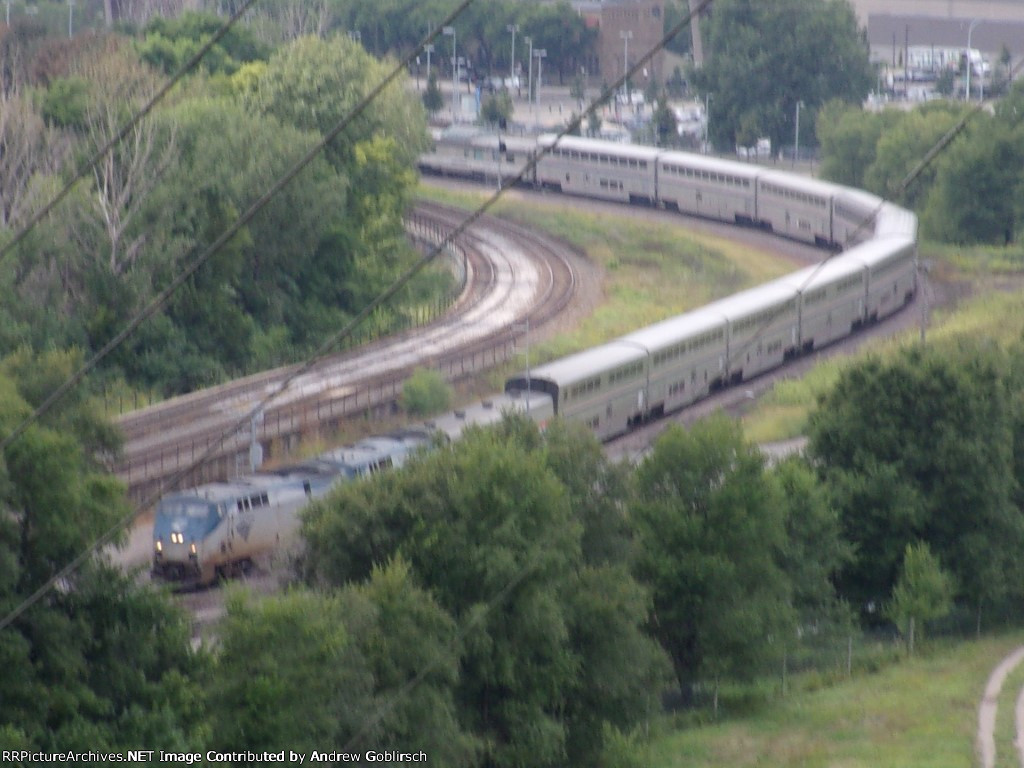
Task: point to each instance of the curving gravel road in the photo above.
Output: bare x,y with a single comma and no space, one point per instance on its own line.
989,707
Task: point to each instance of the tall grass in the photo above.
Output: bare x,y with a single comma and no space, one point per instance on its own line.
921,713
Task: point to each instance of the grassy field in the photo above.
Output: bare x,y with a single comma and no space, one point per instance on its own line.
920,713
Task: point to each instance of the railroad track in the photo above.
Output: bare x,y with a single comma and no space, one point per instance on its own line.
511,273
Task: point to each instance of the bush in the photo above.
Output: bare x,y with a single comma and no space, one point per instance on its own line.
425,392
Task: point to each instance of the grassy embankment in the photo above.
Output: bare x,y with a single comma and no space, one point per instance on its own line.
922,713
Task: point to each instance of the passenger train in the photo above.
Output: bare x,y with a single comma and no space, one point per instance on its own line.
217,529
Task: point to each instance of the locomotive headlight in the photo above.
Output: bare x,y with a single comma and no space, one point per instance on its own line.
192,547
159,546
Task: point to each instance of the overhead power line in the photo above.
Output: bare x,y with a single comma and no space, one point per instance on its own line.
157,302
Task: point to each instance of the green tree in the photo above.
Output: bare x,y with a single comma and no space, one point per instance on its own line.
1000,82
404,635
923,592
920,448
65,103
621,670
599,490
849,139
946,82
496,527
711,534
98,663
665,124
169,43
312,84
432,98
976,194
287,269
288,675
497,109
900,148
815,54
814,550
425,392
675,10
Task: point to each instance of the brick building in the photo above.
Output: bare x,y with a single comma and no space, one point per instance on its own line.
626,30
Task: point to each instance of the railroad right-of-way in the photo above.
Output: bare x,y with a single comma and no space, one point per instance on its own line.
512,274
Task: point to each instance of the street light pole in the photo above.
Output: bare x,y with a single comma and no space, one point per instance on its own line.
455,71
540,53
970,64
513,28
529,82
626,35
707,121
796,139
429,48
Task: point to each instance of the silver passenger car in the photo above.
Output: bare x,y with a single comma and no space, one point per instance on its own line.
796,206
763,329
687,359
604,387
604,169
704,186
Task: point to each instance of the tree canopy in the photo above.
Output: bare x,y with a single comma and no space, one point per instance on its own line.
711,534
98,663
921,448
761,59
324,245
553,649
971,193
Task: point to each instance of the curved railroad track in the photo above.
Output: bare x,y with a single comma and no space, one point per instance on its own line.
511,273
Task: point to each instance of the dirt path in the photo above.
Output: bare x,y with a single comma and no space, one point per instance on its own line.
990,705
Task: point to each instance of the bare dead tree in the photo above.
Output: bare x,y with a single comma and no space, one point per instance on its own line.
124,177
28,148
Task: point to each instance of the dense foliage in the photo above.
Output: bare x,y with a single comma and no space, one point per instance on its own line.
925,448
500,530
970,194
321,248
98,664
762,59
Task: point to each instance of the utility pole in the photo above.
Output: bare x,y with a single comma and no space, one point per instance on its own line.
529,82
626,35
455,72
540,53
796,138
513,28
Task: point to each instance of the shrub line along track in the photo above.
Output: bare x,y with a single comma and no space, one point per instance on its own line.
512,273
